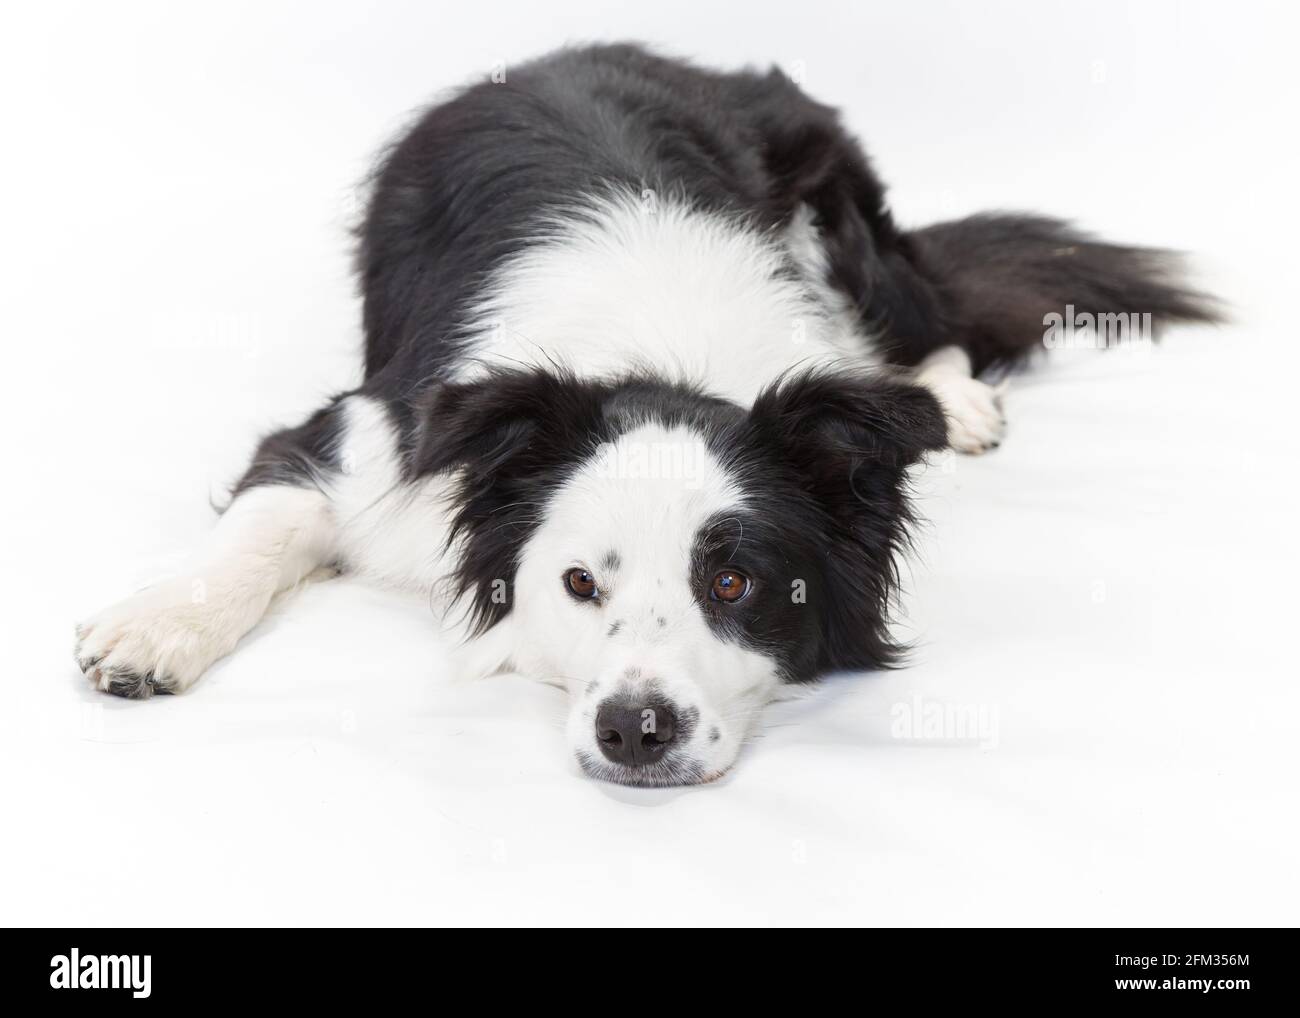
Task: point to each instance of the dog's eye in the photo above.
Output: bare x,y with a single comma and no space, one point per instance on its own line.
729,586
581,584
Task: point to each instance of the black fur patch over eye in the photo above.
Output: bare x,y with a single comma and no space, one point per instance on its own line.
772,615
822,457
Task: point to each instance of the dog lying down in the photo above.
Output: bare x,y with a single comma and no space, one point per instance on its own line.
647,361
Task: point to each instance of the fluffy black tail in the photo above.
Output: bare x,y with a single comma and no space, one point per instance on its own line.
992,279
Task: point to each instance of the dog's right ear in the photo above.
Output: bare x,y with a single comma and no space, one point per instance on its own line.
509,437
508,422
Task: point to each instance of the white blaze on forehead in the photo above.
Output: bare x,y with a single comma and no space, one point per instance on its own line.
631,515
642,499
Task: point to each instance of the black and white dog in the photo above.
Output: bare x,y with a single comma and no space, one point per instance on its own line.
646,363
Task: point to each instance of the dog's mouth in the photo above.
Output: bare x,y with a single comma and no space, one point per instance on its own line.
666,773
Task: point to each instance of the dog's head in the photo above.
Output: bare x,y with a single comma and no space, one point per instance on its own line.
672,558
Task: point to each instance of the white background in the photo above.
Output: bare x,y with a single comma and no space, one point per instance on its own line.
1114,588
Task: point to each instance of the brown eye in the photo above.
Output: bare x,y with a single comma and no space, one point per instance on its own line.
729,586
581,584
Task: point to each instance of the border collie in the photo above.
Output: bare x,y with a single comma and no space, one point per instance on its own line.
646,363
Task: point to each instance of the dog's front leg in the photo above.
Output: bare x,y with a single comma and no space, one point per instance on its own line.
161,639
976,422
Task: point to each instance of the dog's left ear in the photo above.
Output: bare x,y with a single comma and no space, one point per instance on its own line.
509,437
830,425
848,440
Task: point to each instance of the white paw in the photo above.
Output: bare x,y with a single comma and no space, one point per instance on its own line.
976,420
159,640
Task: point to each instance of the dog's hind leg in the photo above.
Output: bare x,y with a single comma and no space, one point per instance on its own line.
279,529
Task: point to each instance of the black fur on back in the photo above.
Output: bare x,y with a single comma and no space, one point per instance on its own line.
473,180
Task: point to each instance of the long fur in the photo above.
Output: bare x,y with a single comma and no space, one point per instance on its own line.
612,252
997,274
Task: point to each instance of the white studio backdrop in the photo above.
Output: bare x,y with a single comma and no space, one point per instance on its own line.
1110,595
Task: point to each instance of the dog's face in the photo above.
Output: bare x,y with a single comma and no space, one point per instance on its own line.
651,585
673,559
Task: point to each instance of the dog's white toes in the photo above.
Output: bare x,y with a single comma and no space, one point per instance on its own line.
114,661
976,422
157,641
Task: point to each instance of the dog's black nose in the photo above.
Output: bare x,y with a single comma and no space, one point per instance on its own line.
635,734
